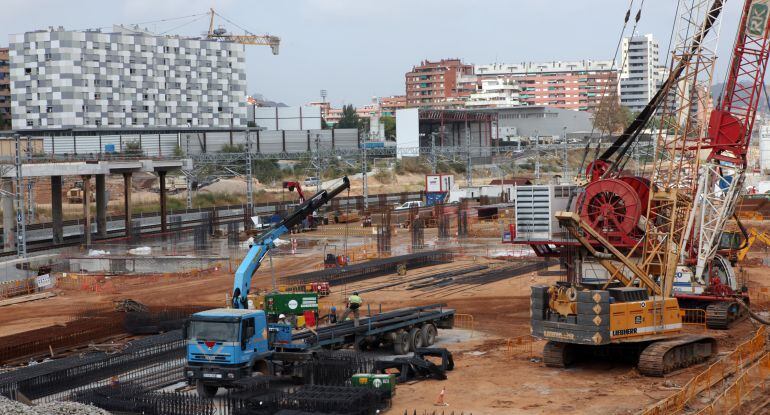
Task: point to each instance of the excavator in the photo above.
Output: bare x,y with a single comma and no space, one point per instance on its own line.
754,236
659,234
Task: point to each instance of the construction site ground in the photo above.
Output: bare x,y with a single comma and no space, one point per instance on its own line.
488,378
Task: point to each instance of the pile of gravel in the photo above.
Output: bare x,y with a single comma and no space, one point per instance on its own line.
68,408
9,407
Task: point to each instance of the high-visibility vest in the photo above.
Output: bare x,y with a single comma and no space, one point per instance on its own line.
354,299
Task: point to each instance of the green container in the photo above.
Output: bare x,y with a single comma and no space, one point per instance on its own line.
290,303
386,382
362,380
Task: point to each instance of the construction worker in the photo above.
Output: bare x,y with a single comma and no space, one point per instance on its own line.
282,320
332,315
354,303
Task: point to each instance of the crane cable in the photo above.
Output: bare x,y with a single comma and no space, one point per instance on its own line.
587,148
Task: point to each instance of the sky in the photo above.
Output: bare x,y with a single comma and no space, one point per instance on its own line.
357,49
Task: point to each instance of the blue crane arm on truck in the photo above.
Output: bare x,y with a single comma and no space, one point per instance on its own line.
224,345
266,241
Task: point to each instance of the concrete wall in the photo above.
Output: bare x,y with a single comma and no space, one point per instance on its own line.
286,118
407,130
543,121
192,143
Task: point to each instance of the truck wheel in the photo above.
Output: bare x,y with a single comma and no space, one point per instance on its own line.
429,333
401,343
206,391
416,338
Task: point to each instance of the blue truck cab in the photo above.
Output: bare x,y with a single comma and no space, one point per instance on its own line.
224,345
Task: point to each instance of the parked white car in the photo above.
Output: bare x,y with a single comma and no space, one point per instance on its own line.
311,182
409,205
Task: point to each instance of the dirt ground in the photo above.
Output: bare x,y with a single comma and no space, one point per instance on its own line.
486,380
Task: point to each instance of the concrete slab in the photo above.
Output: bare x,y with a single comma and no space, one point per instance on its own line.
81,168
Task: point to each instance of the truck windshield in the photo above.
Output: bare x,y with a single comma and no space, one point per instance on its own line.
214,331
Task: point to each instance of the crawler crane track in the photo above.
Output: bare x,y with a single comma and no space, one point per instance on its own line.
662,357
722,314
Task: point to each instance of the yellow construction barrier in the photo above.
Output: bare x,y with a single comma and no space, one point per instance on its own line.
466,322
520,346
743,355
695,317
733,396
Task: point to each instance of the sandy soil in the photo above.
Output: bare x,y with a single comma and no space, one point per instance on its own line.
487,380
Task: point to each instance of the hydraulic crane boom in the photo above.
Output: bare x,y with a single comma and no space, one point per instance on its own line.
266,241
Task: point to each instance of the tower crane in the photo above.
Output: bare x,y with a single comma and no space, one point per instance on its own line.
651,233
220,33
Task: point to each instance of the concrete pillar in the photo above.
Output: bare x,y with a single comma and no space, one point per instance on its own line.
101,206
127,202
163,212
56,210
9,220
87,210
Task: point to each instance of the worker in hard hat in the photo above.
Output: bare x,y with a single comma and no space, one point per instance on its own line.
283,320
354,303
332,315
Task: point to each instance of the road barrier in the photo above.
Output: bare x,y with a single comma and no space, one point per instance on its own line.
694,317
465,322
739,358
735,394
520,346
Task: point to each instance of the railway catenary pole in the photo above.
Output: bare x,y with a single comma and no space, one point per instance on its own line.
364,174
433,161
21,230
249,178
537,154
318,162
469,165
30,184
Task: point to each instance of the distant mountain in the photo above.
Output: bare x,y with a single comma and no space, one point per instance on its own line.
263,102
718,88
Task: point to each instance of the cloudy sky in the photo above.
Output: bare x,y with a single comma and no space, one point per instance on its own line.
356,49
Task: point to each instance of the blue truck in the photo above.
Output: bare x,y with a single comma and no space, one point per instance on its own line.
225,345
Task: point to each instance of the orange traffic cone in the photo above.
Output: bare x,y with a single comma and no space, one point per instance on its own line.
440,399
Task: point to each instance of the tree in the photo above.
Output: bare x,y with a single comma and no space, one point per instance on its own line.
390,127
609,116
349,118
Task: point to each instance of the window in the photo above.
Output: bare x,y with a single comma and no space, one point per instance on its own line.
145,108
28,71
47,56
30,123
219,109
132,71
97,95
49,109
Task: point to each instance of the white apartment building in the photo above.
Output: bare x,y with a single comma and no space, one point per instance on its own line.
573,85
126,78
497,92
641,73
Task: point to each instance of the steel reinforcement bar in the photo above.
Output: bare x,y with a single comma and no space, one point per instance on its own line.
50,339
374,268
57,376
